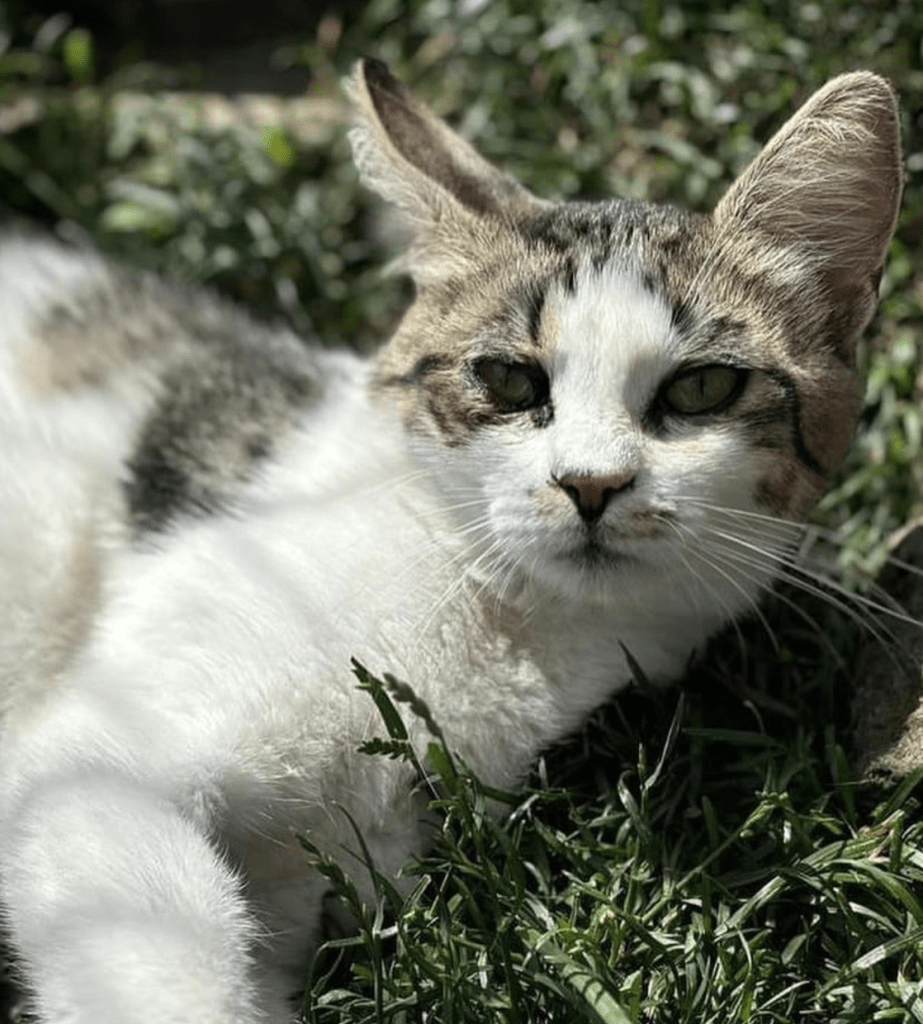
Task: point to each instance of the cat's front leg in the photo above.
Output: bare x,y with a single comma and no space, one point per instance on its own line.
122,910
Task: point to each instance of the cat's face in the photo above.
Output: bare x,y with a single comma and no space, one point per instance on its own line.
600,417
612,395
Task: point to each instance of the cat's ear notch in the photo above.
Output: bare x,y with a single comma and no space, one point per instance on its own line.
412,158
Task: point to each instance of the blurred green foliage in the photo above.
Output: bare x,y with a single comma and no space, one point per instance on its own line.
635,98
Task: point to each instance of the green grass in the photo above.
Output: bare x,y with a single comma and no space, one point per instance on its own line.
702,854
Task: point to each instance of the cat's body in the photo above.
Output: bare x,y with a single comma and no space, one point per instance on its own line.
569,449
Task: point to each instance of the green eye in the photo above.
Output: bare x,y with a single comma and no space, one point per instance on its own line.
704,389
513,386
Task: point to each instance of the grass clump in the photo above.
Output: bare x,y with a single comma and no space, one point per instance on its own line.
696,855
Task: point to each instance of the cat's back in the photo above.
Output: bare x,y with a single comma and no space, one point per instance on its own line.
77,328
127,405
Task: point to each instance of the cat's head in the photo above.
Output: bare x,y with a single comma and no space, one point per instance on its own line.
614,390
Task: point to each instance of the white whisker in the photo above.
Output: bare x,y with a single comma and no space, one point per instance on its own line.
793,573
751,599
702,581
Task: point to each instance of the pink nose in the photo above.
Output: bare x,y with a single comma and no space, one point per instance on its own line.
592,492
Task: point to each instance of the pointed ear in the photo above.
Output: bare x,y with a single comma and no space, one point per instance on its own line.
411,157
828,184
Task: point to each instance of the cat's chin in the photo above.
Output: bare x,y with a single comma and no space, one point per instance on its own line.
589,572
594,559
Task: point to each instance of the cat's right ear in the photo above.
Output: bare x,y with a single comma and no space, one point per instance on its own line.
410,157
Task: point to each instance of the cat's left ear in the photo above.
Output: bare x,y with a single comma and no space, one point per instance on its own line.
822,197
410,157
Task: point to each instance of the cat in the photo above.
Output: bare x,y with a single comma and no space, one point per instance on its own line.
583,446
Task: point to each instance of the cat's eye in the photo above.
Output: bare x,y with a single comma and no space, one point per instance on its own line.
704,389
513,386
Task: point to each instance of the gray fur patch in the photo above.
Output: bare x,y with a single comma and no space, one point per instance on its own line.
215,390
216,420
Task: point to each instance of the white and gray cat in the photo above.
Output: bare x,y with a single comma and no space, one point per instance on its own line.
586,436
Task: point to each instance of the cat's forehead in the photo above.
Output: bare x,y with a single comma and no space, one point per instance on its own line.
597,284
661,245
590,259
611,324
611,288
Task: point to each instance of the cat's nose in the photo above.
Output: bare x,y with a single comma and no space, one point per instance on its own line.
591,492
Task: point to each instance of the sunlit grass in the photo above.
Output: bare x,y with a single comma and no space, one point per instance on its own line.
703,854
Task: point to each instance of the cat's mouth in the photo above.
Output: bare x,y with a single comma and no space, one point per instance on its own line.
593,556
